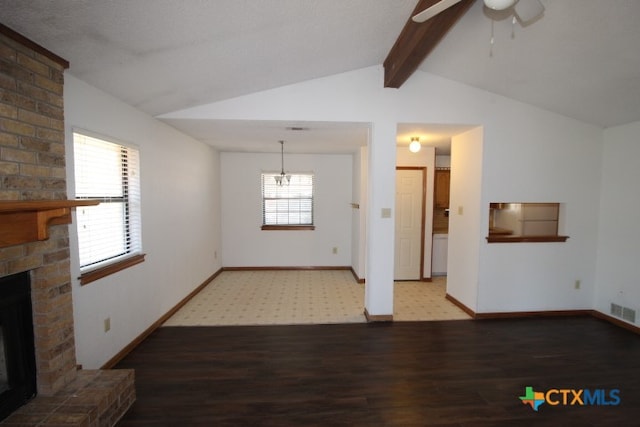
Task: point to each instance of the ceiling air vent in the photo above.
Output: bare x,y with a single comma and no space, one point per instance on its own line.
297,128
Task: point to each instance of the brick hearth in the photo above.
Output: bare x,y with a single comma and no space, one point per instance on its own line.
32,167
94,398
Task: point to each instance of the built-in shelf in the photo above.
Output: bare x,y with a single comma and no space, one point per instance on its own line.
500,238
24,221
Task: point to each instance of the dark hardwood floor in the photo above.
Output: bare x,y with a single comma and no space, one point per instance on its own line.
455,373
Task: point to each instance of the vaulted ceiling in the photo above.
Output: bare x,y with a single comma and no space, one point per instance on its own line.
581,59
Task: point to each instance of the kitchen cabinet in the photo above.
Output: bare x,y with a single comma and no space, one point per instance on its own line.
441,192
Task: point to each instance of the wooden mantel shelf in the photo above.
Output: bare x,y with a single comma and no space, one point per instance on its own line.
23,221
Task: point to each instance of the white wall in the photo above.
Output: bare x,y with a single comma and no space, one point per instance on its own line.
541,157
358,215
423,158
465,213
443,161
378,292
528,154
618,270
180,224
246,245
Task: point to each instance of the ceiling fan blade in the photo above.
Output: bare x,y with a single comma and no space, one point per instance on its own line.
528,11
432,11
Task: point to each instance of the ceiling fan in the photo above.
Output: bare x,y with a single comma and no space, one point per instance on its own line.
525,11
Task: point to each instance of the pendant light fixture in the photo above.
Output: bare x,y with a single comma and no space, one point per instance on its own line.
283,178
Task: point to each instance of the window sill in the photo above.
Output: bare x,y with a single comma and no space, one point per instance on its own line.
99,273
288,227
525,239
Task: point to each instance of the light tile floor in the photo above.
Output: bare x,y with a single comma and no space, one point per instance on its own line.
413,301
305,296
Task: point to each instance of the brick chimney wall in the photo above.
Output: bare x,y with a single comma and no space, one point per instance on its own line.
32,167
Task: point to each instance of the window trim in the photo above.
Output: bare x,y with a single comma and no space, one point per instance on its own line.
288,227
109,269
118,262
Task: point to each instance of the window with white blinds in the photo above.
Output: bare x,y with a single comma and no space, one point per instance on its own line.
109,172
287,205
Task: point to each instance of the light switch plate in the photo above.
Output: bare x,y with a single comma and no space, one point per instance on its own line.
386,213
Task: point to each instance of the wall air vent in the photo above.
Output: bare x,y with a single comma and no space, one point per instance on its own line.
624,313
629,315
616,310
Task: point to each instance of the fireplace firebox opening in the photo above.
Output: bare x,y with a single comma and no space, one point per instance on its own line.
17,351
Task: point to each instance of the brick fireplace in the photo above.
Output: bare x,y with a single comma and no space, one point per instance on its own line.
32,167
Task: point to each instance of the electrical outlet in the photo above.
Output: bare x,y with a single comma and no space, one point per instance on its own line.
107,324
576,285
334,250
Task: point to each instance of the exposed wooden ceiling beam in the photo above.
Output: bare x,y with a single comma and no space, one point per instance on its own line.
416,41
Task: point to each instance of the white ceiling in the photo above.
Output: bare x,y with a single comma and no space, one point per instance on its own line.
580,60
263,136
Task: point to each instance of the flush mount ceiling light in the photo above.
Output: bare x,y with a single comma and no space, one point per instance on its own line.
414,146
283,178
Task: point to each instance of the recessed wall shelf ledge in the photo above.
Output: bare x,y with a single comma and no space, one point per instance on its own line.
525,239
24,221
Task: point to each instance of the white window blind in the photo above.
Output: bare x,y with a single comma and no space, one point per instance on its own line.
290,204
109,172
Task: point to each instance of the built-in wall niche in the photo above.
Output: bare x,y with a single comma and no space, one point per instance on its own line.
524,222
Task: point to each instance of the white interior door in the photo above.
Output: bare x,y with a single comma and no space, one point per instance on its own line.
409,224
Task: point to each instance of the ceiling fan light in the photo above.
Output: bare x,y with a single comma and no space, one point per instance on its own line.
499,4
529,11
